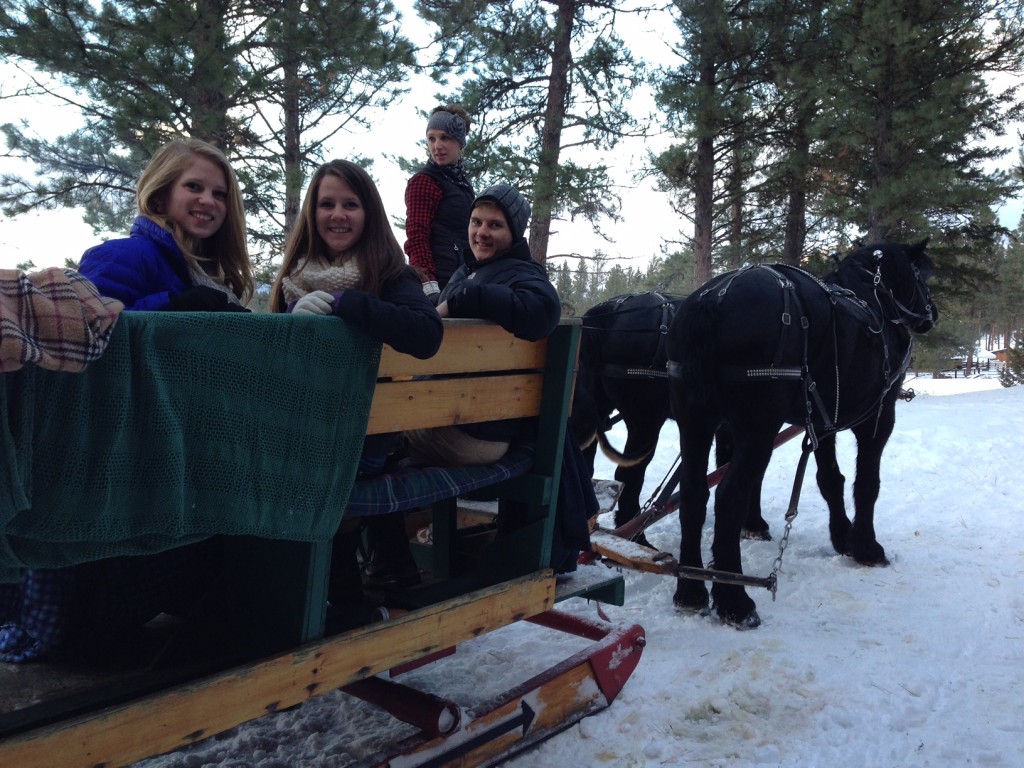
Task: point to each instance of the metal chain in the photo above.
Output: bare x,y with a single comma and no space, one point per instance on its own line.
773,577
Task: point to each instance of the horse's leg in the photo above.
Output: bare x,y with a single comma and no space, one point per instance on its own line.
754,525
644,407
738,490
695,446
871,440
642,437
832,484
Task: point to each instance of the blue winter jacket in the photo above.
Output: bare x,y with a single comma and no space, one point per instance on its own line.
143,270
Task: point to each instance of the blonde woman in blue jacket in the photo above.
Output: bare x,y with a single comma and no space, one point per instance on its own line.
187,248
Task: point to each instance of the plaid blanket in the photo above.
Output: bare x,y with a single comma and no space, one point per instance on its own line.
411,488
54,319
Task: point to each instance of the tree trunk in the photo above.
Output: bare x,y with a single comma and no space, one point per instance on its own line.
211,60
704,172
292,143
878,221
546,182
796,208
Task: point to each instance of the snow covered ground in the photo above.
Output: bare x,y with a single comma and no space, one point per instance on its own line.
917,664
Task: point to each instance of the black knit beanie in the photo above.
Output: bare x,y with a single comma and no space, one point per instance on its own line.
512,204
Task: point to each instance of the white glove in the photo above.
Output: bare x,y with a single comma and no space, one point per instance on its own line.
314,303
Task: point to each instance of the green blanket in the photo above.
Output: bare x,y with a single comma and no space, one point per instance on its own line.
189,425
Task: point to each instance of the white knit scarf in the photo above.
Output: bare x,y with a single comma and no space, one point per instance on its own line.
316,275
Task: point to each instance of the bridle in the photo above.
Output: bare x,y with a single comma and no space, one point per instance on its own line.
901,314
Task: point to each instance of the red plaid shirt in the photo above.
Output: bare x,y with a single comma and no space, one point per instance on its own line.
422,196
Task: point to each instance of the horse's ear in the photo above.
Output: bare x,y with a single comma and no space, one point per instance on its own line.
919,247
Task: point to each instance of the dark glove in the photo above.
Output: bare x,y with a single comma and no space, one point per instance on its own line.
202,298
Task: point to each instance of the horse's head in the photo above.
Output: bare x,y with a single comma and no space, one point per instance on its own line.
900,274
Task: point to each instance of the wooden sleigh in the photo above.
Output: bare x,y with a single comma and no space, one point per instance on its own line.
285,651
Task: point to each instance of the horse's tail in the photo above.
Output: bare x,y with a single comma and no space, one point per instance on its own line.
618,458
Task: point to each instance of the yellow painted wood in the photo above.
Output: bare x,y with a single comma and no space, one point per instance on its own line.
402,405
180,716
469,346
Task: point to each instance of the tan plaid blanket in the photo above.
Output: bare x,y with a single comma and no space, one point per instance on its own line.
54,318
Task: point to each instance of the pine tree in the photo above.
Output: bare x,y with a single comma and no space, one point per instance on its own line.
540,76
852,118
903,117
266,82
563,285
1012,373
708,102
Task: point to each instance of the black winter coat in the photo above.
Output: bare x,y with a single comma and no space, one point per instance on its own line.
401,316
511,289
514,291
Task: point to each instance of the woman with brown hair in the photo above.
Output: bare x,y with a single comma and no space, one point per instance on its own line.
343,260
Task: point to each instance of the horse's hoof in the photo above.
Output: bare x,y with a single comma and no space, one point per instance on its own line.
743,621
872,562
692,610
872,555
764,535
752,621
689,599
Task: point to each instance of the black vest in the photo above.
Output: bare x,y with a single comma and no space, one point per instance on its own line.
449,231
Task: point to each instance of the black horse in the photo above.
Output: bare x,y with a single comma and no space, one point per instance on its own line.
762,346
622,368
